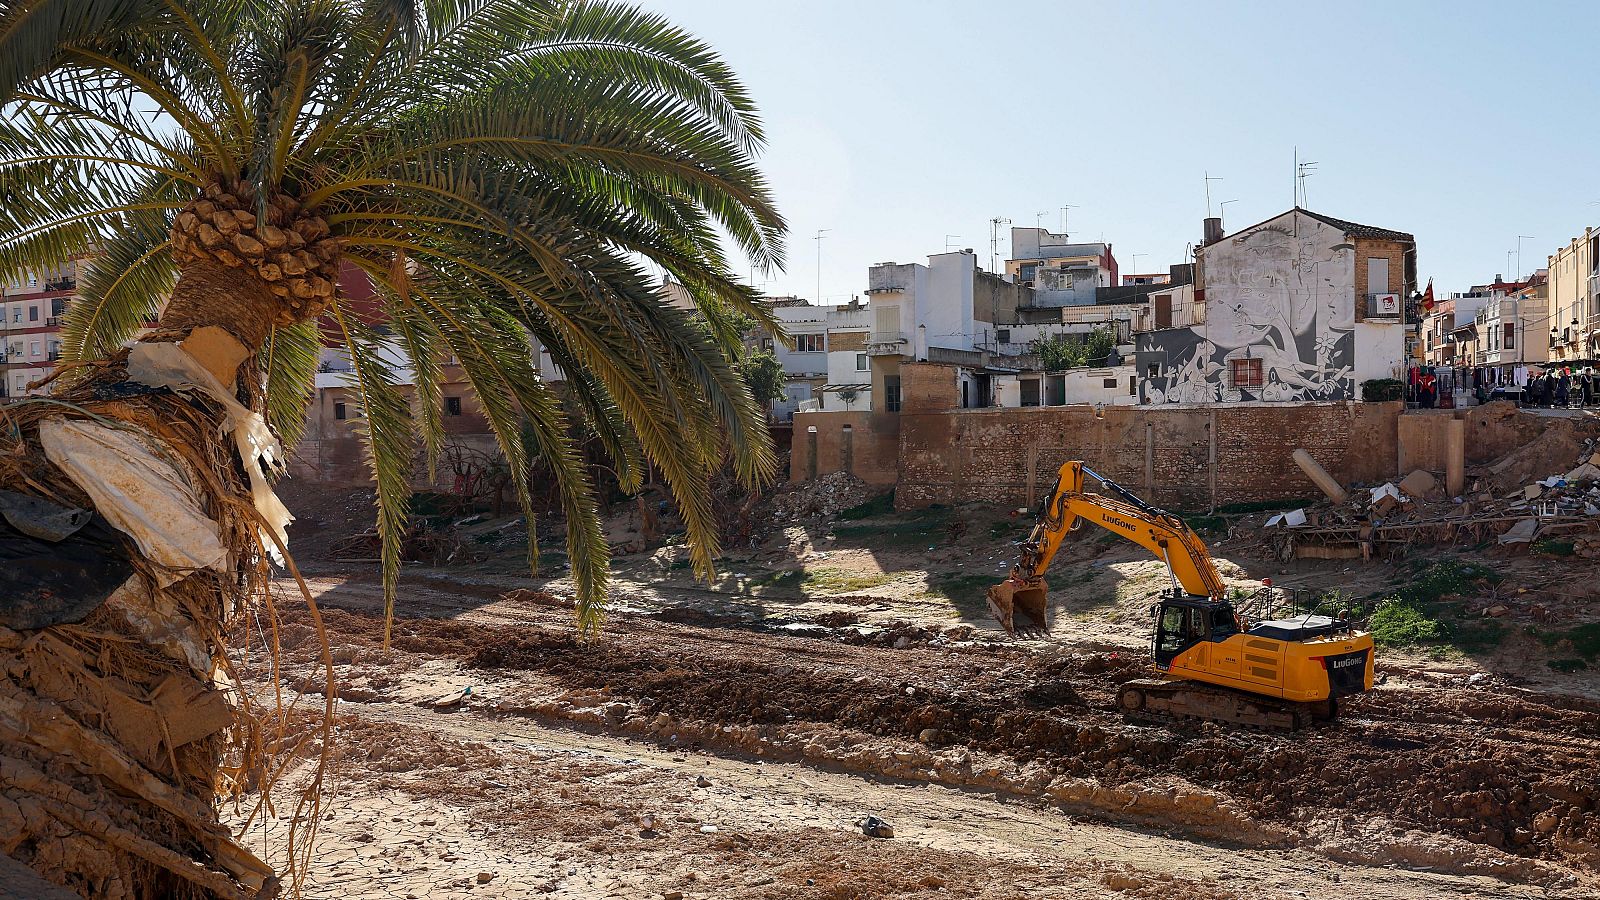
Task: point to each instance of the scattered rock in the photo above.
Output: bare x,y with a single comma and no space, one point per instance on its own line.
874,827
702,781
485,877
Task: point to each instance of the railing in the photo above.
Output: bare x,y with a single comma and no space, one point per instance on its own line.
54,356
52,322
884,343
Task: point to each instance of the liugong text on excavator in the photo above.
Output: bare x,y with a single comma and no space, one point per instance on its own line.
1214,662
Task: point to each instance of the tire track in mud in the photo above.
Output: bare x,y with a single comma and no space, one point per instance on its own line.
1516,772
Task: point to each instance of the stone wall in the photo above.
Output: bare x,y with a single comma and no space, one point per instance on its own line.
864,444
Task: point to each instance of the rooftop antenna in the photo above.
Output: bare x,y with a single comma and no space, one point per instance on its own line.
1210,178
994,241
1038,219
1222,208
1520,239
1134,269
1303,170
1064,208
819,239
948,241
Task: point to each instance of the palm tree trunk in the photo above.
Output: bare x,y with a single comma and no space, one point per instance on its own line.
117,728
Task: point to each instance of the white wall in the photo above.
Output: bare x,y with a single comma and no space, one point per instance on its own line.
1380,351
944,309
1089,386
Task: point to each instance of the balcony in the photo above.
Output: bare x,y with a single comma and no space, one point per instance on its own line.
886,343
52,322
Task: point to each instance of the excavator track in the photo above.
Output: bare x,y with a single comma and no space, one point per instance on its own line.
1162,702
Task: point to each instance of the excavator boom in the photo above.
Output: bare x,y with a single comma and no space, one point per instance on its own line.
1019,602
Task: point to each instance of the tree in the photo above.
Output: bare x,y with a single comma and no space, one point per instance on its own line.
500,170
763,373
1071,351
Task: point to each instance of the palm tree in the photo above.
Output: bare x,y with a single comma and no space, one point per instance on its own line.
503,171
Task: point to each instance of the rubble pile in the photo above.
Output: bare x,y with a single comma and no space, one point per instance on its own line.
825,496
1383,520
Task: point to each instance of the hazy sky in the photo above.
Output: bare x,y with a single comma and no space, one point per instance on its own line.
895,124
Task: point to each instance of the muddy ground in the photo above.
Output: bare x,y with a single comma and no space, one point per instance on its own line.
727,740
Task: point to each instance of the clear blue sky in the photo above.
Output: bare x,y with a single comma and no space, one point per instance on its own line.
896,123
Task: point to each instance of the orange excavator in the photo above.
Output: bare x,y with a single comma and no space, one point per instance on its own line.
1214,663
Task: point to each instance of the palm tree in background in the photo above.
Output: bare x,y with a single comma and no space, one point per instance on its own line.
503,171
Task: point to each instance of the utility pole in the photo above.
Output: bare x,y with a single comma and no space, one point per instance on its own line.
1210,178
1520,239
818,239
994,241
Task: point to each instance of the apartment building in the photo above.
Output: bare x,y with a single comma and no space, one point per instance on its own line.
1574,273
32,309
1060,272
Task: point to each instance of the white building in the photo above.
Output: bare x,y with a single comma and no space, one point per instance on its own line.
1300,307
1061,273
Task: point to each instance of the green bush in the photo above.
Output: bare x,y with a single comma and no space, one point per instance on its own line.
881,505
1377,390
1552,547
1402,623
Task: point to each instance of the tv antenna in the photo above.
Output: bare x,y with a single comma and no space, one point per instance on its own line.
1038,219
1302,171
1222,208
1520,239
1064,208
1210,178
819,239
949,239
994,241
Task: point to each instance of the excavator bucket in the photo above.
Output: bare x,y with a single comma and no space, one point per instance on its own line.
1019,604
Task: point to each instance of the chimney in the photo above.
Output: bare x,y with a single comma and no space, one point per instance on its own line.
1213,231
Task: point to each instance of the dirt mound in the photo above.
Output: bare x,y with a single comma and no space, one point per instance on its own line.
822,497
1534,447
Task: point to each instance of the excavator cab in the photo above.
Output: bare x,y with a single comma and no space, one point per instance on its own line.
1183,620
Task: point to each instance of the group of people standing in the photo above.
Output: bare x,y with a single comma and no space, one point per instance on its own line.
1563,386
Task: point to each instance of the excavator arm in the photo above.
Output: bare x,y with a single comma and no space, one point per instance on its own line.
1022,595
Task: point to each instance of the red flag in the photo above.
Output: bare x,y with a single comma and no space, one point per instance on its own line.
1427,297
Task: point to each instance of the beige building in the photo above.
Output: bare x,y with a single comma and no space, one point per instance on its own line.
1574,303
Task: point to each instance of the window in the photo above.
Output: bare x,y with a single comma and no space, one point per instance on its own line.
891,393
1002,335
766,344
810,343
1245,372
1377,275
1109,383
16,314
1153,370
861,362
339,411
452,406
1028,271
33,314
33,349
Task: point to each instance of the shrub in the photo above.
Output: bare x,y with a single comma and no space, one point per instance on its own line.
1377,390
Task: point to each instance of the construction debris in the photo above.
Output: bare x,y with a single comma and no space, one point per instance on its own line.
1386,519
821,497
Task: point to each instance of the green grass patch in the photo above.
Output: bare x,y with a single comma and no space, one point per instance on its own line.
965,592
927,528
1585,639
1553,547
881,505
1006,529
1207,526
801,581
1402,623
1427,610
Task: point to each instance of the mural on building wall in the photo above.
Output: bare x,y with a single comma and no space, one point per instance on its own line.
1280,322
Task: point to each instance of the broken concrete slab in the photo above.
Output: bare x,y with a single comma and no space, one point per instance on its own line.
1520,533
